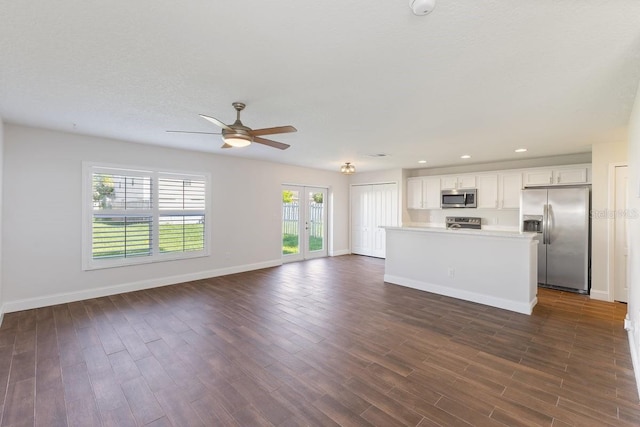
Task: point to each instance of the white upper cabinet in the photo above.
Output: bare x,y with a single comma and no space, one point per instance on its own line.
496,189
510,185
431,192
414,193
556,176
423,193
487,185
538,177
571,176
457,182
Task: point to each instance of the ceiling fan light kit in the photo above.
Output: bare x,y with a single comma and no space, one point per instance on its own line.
238,135
237,140
422,7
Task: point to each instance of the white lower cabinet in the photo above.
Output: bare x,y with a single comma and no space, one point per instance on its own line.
372,206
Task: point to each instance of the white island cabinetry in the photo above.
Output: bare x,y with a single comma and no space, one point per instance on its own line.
495,268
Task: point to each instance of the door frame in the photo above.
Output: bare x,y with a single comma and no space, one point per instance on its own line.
611,206
304,253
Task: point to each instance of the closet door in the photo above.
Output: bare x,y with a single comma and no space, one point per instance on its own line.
360,213
385,213
372,206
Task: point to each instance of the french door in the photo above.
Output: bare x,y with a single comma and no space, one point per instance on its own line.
304,222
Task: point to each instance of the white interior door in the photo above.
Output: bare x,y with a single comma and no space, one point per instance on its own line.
372,206
620,289
304,222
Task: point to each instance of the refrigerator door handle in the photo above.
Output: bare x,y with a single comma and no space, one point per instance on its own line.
544,224
549,223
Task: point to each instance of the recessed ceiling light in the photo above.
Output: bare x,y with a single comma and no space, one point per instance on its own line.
521,150
422,161
465,156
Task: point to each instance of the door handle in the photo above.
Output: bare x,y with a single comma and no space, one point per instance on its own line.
549,223
544,224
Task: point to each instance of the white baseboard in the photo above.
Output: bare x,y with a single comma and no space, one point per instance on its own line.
634,358
340,252
63,298
518,307
599,295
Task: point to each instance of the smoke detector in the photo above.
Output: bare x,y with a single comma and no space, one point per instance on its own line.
422,7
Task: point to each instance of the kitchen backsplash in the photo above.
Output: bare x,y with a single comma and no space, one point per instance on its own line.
492,219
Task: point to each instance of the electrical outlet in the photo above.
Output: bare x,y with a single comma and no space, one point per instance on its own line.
451,272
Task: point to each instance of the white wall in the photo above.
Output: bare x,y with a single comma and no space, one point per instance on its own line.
603,156
378,177
633,231
42,216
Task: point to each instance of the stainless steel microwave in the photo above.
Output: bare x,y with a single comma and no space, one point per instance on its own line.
465,198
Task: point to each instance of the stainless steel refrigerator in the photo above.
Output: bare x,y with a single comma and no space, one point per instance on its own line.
560,216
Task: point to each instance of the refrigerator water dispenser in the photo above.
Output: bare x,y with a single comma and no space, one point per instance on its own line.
532,223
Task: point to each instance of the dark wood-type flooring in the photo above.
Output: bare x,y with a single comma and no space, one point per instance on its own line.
323,342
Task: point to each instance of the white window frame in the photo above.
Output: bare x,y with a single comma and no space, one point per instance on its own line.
89,168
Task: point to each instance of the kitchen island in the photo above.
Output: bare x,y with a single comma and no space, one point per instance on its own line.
496,268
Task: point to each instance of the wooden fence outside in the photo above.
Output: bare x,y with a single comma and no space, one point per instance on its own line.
291,218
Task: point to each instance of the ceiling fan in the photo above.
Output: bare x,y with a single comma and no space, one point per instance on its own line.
239,135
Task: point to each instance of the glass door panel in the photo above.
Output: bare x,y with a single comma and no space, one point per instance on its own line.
315,223
290,221
304,220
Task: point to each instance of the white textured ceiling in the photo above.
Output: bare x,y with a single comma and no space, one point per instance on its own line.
355,77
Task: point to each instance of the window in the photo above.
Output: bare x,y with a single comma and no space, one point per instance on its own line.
135,216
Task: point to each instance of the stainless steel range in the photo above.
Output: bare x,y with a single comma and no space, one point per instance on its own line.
456,222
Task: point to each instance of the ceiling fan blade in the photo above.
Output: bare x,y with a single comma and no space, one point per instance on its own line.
270,143
225,145
216,122
188,131
271,131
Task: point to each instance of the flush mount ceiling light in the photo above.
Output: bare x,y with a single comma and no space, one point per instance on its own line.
422,7
520,150
422,162
465,156
348,169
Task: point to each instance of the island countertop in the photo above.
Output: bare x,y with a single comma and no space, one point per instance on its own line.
493,267
467,231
